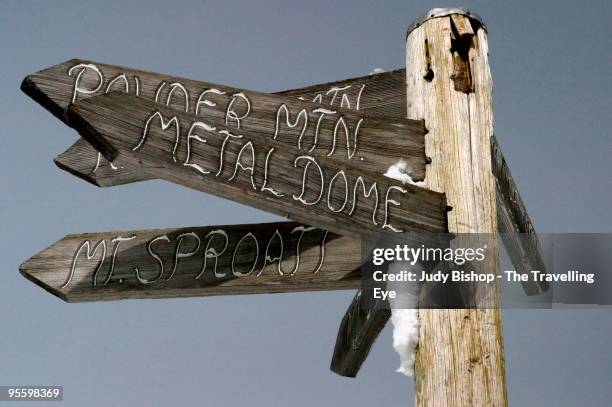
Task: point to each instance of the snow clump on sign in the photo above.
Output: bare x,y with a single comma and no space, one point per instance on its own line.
405,320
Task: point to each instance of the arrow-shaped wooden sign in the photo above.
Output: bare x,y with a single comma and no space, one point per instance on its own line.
358,330
382,93
337,130
377,94
252,168
199,261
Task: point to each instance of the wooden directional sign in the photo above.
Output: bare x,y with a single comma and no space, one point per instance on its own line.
199,261
383,93
379,94
338,130
252,168
514,225
359,328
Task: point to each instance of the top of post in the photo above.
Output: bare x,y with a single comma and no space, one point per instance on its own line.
443,12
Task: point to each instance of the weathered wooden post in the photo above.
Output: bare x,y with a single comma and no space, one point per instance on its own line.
448,87
460,360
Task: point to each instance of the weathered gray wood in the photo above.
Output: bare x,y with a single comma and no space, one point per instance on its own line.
514,225
362,323
207,160
383,93
167,263
460,359
85,162
56,87
378,94
359,328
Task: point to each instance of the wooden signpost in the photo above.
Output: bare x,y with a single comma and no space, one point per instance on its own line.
460,357
316,155
335,130
254,169
200,261
380,94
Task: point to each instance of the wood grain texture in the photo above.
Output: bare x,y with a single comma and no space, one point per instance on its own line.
377,94
514,225
58,86
85,162
462,26
317,189
168,263
460,360
383,93
359,328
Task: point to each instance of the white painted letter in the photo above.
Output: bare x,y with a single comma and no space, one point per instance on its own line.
301,116
90,255
178,255
349,153
264,186
250,169
386,224
203,101
117,240
329,192
191,136
310,160
174,86
156,257
211,253
238,273
126,85
76,89
367,195
278,259
164,126
231,114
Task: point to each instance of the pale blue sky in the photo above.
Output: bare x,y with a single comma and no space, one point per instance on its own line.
551,66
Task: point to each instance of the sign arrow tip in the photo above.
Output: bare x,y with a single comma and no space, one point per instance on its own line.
29,270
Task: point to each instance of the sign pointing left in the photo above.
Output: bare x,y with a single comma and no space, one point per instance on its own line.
336,130
254,169
199,261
